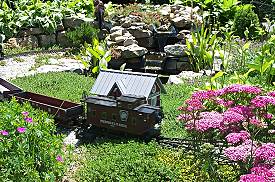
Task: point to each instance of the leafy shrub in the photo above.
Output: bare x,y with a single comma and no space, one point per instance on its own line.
29,148
18,15
84,33
246,18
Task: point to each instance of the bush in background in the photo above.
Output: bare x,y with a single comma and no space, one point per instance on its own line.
246,19
29,148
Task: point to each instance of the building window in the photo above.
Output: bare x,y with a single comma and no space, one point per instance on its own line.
154,101
104,115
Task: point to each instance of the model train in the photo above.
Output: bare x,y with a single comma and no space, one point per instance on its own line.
120,101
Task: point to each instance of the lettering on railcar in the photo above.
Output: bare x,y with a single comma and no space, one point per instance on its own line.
113,123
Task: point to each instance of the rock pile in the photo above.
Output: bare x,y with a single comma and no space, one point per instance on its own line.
36,37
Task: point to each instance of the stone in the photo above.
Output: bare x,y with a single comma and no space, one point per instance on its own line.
183,34
116,28
46,40
129,41
165,27
131,51
138,24
140,33
63,40
171,16
53,61
29,41
30,31
165,11
183,66
174,79
126,24
116,34
110,43
60,27
148,42
72,22
182,22
120,39
184,75
175,50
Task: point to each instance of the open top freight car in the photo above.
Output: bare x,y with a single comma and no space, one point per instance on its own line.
125,101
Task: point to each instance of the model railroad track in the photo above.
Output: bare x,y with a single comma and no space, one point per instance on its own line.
37,52
189,144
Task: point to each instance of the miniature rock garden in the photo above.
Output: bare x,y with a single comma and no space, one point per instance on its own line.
216,58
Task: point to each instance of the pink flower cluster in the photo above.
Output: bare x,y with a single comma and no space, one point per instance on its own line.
194,105
266,152
224,102
259,174
204,94
263,101
252,178
246,111
240,152
237,137
272,94
207,121
237,88
231,117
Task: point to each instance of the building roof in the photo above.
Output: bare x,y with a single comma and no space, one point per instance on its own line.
133,83
101,101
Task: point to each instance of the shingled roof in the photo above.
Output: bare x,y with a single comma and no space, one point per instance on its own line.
133,83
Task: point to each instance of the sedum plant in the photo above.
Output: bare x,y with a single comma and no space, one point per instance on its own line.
29,148
240,116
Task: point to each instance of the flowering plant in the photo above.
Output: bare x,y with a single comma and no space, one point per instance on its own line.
241,116
29,148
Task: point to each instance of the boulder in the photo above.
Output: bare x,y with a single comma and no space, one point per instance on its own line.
183,34
30,31
28,41
165,11
138,32
46,40
120,39
129,41
131,51
182,22
116,34
175,50
72,22
60,27
116,28
184,75
126,24
148,42
63,40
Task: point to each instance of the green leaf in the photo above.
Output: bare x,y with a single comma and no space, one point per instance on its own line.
246,45
95,70
217,75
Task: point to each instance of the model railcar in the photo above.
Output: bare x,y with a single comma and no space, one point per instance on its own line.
120,101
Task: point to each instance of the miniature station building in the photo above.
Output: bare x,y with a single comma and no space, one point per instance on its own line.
126,101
